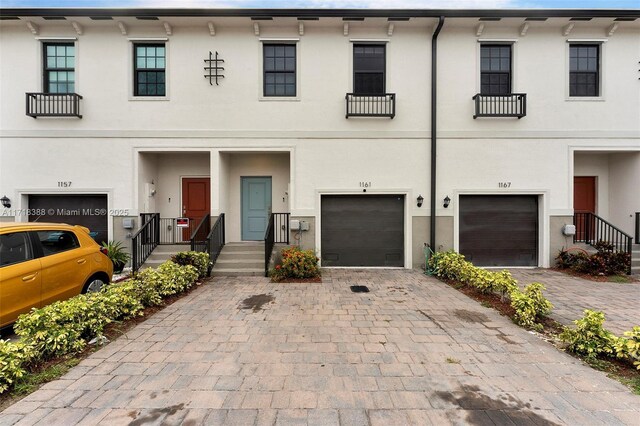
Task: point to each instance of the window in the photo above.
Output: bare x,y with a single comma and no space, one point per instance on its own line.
14,248
149,69
54,242
369,62
279,69
59,68
495,69
584,66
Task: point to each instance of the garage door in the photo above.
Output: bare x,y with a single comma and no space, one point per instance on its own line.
499,230
362,230
85,210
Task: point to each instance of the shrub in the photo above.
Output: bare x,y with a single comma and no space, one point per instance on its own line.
589,338
13,358
296,263
604,262
628,347
530,305
196,259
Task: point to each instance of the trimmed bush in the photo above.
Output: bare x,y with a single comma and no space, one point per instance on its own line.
196,259
65,327
296,264
604,262
13,358
529,305
589,338
628,347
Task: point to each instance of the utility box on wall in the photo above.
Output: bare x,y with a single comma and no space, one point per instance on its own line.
128,223
569,230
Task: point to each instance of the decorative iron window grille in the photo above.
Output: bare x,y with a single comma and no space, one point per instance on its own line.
213,69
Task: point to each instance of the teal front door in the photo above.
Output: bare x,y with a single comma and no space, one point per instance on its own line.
256,207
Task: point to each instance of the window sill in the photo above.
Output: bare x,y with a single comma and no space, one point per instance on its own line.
585,99
279,99
149,98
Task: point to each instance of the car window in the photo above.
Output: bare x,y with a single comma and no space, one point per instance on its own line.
53,242
14,248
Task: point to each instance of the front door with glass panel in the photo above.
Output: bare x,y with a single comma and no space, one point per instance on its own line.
256,207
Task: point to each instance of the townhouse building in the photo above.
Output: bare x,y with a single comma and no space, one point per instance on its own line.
362,134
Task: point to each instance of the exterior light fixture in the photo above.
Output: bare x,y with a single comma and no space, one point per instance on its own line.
420,199
6,202
447,201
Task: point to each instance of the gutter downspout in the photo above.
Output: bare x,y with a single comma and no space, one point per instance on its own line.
434,146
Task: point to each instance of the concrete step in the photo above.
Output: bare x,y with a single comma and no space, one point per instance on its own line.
247,248
249,255
237,272
239,263
172,248
635,270
635,262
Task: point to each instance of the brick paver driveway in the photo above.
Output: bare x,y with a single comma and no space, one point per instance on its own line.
411,351
572,295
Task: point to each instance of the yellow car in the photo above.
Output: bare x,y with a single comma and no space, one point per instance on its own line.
41,263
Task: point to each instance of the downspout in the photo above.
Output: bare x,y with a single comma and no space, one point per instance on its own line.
434,145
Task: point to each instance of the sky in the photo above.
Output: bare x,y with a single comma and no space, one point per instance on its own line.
384,4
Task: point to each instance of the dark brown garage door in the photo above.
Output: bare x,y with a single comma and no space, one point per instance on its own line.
85,210
362,230
499,230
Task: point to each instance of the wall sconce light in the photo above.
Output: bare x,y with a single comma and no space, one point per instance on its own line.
420,200
6,202
447,201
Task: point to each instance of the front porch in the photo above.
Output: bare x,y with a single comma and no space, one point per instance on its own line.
206,199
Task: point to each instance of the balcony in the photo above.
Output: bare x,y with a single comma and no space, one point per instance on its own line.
511,105
53,105
373,105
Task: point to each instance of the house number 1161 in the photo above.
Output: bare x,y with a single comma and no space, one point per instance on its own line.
365,184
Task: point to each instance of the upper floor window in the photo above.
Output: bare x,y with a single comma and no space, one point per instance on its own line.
279,69
369,63
59,68
149,69
584,69
495,69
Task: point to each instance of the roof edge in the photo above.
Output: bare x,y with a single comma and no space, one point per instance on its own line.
323,13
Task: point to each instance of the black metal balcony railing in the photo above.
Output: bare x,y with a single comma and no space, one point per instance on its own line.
53,105
371,105
511,105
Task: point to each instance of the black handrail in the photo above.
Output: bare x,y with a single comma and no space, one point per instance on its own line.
199,235
370,105
53,105
277,232
637,228
215,240
591,229
145,240
510,105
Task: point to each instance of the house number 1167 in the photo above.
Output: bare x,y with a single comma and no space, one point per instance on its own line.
504,184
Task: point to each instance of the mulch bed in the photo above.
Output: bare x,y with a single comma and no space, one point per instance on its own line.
595,278
486,299
300,280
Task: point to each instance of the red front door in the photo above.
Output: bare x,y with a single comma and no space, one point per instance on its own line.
196,202
584,201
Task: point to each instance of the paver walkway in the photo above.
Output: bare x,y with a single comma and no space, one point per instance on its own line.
572,295
411,351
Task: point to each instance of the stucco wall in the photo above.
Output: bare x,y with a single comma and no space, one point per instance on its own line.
624,193
595,164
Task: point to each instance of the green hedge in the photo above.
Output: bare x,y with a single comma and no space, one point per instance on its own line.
530,305
65,327
591,340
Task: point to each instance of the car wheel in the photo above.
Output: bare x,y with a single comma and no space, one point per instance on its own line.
94,285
